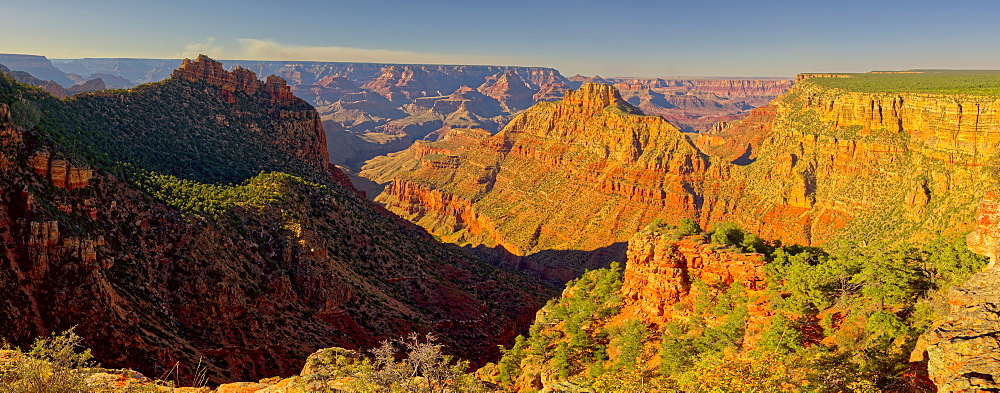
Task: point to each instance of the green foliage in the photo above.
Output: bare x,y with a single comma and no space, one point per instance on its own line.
177,128
727,234
579,345
753,243
630,344
893,279
212,200
840,323
950,262
782,335
688,226
885,296
560,361
677,351
510,363
969,82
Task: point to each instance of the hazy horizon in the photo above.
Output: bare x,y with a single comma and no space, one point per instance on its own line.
640,38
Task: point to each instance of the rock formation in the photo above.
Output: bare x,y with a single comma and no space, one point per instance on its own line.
661,268
665,277
698,104
578,174
51,86
38,66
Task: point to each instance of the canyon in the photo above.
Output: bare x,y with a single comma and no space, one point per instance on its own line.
168,210
111,224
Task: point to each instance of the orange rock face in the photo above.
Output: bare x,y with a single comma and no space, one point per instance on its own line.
238,80
985,239
510,90
660,271
561,155
60,172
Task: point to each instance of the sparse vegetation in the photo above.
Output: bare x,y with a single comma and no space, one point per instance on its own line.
51,365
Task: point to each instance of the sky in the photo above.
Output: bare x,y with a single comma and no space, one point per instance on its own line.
607,38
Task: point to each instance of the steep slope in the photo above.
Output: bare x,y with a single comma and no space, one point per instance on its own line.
195,221
407,103
580,174
742,315
52,87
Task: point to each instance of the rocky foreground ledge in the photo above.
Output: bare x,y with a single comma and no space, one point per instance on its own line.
964,349
326,370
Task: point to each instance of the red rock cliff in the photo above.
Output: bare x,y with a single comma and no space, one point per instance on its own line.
661,268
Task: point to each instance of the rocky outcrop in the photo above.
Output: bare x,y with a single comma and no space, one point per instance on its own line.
963,352
60,172
792,171
510,90
407,103
238,80
52,87
661,268
954,129
985,239
299,130
325,91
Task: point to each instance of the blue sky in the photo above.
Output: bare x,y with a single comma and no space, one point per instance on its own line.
630,38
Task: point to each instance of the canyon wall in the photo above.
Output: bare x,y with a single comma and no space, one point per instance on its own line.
661,268
576,175
822,165
817,166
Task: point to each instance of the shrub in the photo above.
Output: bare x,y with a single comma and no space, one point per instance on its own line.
50,366
727,234
688,227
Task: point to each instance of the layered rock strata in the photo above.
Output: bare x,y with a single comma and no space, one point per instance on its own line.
817,166
578,174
